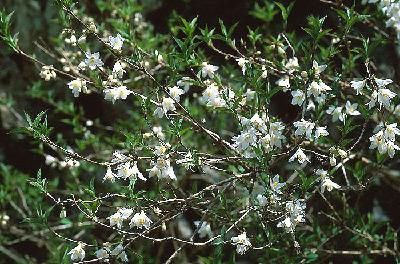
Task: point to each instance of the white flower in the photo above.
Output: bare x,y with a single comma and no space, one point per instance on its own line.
125,213
310,105
117,250
320,131
204,230
300,156
328,184
140,220
116,219
391,131
245,139
208,70
48,73
336,113
168,104
318,68
261,199
77,86
126,171
304,127
382,82
358,86
284,82
351,109
50,160
162,169
211,96
176,92
242,243
317,89
397,110
292,64
77,253
184,83
102,254
374,97
71,40
114,94
321,173
298,97
118,69
120,253
93,60
391,148
384,97
161,150
249,95
157,130
286,223
109,176
275,185
264,74
296,214
116,42
242,64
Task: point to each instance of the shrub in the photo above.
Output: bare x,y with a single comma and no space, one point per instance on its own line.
199,146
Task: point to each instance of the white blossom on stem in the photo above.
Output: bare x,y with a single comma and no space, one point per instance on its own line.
242,243
140,220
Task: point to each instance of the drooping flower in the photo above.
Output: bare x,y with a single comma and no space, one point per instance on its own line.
328,184
162,169
207,70
336,112
102,254
168,104
304,127
77,253
242,62
320,132
242,243
299,156
118,69
176,92
358,86
120,253
140,220
77,86
129,171
184,83
48,73
109,176
284,82
114,94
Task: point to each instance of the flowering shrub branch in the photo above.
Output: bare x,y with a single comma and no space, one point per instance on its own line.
197,131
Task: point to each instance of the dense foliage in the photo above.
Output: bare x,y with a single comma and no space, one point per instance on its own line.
203,142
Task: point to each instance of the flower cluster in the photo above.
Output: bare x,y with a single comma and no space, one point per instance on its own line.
48,73
139,220
385,139
258,132
295,215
